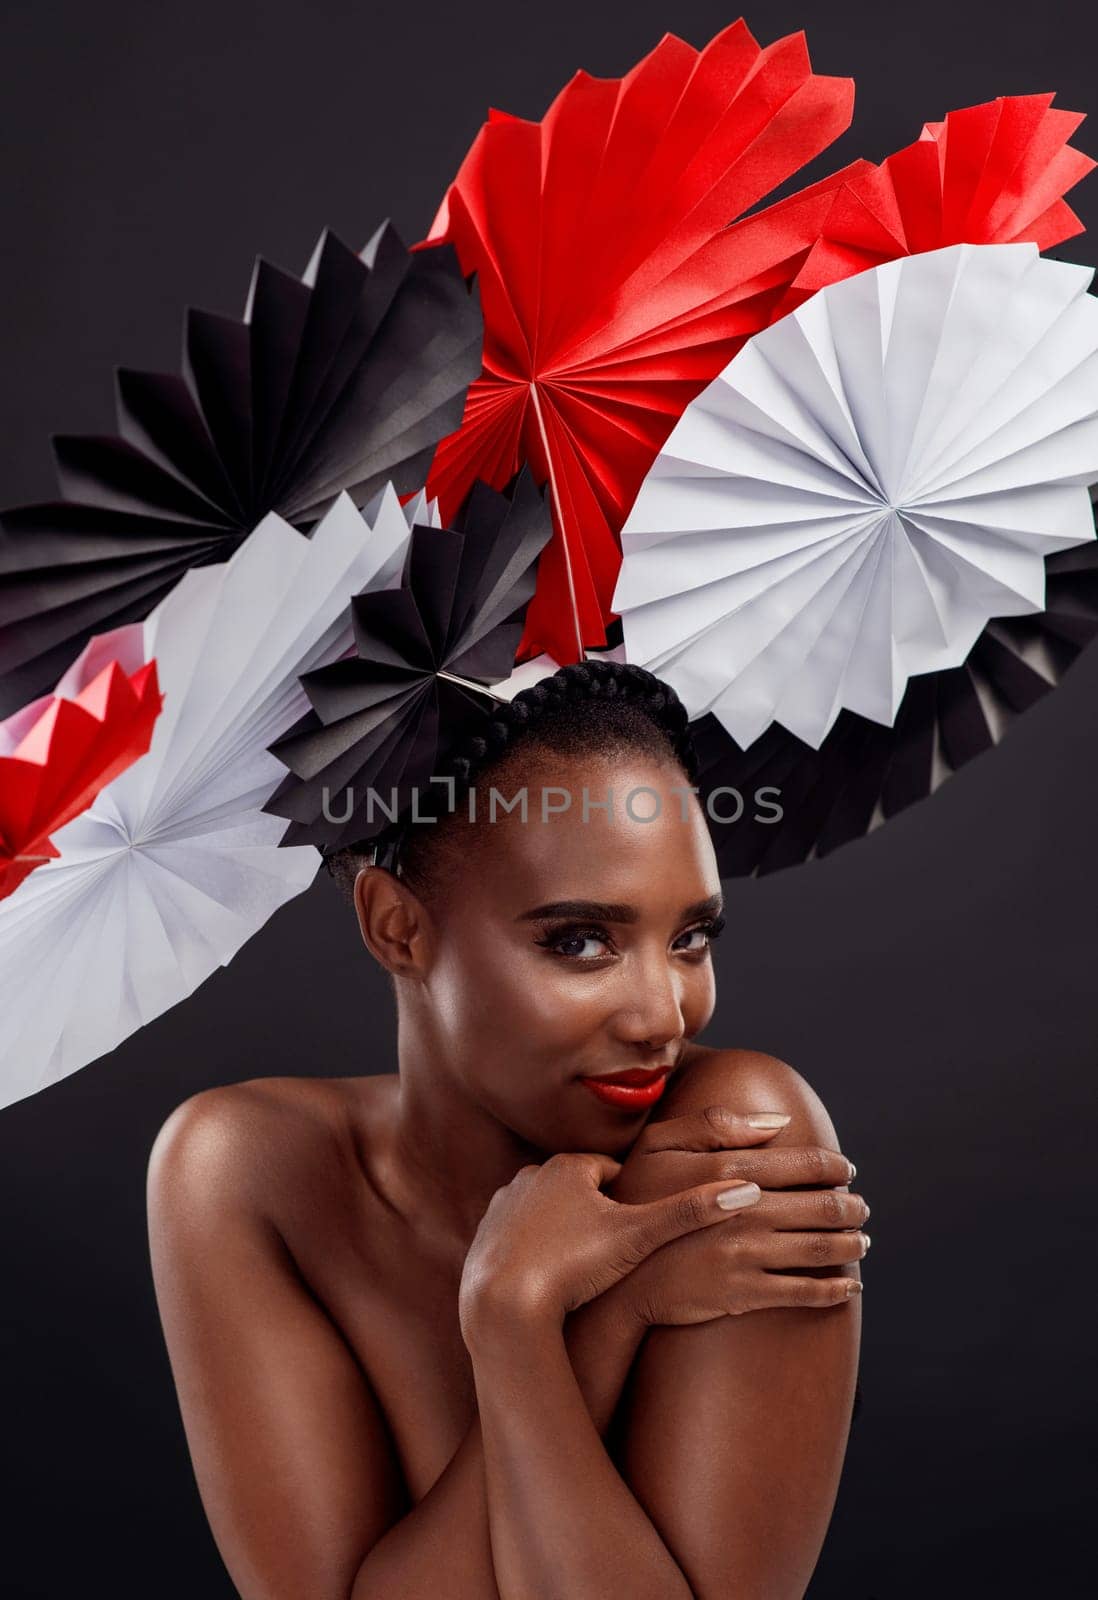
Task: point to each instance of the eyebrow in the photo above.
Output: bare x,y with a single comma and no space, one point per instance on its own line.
602,911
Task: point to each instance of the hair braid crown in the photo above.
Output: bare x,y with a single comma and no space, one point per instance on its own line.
620,681
592,682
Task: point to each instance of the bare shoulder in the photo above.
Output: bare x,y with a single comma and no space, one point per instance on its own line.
747,1081
251,1147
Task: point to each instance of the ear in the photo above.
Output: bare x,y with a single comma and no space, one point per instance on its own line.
395,925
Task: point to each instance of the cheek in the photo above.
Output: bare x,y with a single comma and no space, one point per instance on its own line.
497,994
570,1001
561,1008
569,1005
496,998
698,999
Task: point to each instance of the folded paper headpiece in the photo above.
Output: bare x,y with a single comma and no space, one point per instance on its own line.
338,382
822,464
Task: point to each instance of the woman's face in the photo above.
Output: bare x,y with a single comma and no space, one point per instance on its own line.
575,945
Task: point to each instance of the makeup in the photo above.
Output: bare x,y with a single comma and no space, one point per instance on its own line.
633,1090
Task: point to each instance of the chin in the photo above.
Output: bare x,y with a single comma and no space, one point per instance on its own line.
592,1128
612,1137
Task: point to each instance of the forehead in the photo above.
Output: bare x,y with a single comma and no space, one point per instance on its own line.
623,830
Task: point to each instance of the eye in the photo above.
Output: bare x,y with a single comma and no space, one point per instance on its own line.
562,938
702,936
564,941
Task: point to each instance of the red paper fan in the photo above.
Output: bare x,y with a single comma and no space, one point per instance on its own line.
612,288
60,751
990,174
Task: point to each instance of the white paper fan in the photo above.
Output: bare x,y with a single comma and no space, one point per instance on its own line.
175,866
867,483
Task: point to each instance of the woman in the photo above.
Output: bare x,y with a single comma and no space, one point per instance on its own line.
567,1306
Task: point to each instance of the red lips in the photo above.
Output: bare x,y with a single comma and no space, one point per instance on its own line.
632,1090
632,1077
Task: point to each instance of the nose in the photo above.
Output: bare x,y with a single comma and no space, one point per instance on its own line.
651,1015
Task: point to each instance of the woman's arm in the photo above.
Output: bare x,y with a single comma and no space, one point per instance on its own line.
564,1524
443,1546
290,1450
292,1456
736,1429
557,1503
289,1447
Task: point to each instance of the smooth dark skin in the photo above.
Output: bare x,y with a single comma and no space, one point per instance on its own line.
401,1312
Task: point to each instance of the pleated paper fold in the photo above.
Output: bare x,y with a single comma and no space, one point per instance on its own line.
337,382
613,288
175,865
864,487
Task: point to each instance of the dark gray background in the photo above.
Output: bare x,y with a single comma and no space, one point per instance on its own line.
935,983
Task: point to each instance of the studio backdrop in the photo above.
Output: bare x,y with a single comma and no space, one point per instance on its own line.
934,982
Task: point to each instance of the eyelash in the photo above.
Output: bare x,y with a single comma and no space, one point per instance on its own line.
712,928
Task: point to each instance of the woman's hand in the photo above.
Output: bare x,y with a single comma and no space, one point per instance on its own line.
718,1143
802,1221
551,1240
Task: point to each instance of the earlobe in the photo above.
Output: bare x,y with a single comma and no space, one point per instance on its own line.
393,922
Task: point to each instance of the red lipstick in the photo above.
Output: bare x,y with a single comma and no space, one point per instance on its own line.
633,1090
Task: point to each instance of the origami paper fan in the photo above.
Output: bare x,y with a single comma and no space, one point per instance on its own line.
613,289
990,174
864,487
339,382
799,803
382,719
175,865
57,753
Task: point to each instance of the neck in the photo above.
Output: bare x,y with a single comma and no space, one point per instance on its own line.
450,1154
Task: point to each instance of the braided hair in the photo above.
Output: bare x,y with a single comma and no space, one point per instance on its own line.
589,708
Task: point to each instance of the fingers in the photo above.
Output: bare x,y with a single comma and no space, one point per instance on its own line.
714,1128
601,1168
819,1292
793,1167
659,1221
717,1128
812,1209
780,1251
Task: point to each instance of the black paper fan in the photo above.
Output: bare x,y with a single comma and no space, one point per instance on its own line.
341,380
864,773
383,720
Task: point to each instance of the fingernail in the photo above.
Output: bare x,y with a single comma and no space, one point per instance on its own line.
768,1119
853,1173
745,1194
868,1242
853,1287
